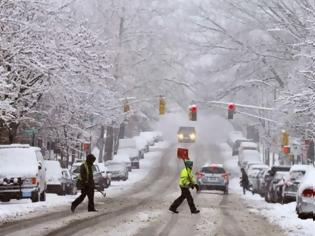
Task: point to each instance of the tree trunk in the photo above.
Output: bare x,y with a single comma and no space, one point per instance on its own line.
109,144
101,144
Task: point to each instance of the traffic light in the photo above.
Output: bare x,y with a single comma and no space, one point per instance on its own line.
231,110
126,106
284,138
192,110
162,106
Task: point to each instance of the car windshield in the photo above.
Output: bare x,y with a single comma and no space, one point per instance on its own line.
281,174
213,170
186,130
297,174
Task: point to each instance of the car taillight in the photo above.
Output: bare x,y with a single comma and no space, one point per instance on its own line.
200,175
308,193
34,180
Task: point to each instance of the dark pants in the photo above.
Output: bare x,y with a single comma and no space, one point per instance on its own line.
185,195
89,191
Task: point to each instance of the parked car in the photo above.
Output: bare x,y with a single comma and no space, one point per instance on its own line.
292,183
22,173
248,146
186,134
305,198
129,146
213,177
275,184
248,156
148,136
55,181
253,176
97,176
71,187
106,176
233,136
123,157
142,145
236,145
117,170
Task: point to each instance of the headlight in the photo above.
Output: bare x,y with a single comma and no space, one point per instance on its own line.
192,136
180,136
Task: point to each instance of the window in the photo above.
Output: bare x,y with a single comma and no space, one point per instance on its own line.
213,170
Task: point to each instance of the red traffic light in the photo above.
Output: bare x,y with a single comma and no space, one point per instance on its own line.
193,108
231,106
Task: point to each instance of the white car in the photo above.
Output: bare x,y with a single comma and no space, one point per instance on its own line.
253,175
149,136
129,146
123,158
142,145
247,146
22,173
305,198
54,178
248,156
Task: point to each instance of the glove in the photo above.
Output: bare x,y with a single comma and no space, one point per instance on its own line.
191,186
197,187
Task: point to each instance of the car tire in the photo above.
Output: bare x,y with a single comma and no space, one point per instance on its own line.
226,191
267,197
42,196
35,196
62,191
302,216
4,199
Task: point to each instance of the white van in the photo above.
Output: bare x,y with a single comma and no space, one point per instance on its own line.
22,173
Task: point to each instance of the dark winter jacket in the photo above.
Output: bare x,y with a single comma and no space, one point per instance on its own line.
244,178
86,171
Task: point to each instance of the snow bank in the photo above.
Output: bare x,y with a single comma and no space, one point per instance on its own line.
283,215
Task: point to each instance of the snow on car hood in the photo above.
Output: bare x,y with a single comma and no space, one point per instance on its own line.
18,162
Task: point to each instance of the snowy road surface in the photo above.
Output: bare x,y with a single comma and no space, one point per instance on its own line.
143,209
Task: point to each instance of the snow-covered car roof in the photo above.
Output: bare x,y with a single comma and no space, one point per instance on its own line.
141,142
259,166
122,156
308,181
18,161
213,165
248,144
53,168
130,152
299,168
113,165
127,143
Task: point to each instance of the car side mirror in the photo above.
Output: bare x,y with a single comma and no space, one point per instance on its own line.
39,165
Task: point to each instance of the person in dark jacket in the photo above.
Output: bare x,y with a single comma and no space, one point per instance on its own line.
244,180
87,184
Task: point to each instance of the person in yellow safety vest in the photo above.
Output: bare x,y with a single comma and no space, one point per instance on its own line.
86,183
186,181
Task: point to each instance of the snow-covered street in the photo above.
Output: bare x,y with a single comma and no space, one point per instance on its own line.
22,209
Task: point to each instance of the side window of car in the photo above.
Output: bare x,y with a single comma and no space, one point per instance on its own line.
39,156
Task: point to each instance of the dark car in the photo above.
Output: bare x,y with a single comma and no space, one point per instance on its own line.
70,185
274,183
97,175
292,183
186,134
